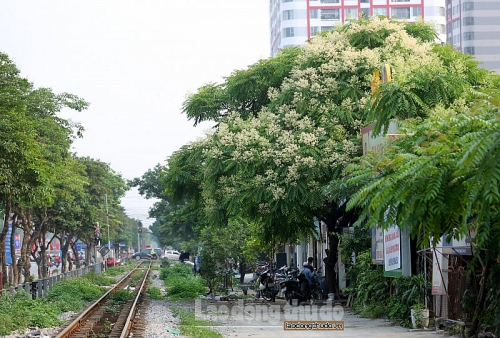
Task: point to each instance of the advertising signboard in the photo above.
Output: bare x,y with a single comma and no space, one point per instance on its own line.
8,251
392,248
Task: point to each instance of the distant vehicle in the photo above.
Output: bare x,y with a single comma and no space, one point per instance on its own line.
147,254
172,255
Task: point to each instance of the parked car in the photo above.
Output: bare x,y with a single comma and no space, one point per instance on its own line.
146,254
172,255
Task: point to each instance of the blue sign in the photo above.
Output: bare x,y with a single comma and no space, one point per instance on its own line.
79,246
8,252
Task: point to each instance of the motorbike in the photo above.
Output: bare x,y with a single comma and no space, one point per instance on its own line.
301,290
267,287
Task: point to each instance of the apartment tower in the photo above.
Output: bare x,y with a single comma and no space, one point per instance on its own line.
292,22
473,26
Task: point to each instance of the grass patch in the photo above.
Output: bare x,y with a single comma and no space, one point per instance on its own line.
101,280
154,293
191,326
181,283
183,288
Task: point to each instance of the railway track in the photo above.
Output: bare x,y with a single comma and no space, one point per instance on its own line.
114,314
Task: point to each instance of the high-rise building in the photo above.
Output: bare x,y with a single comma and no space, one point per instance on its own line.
473,26
292,22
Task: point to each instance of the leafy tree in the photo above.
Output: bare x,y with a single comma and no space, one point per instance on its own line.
33,148
245,91
441,177
282,166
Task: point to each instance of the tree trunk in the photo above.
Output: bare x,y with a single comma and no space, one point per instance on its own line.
481,296
331,279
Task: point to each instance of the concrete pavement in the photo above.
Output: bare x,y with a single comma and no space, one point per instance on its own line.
266,319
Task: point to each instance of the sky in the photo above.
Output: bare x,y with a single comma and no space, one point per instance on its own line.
135,62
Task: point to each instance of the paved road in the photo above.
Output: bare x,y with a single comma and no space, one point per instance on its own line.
262,319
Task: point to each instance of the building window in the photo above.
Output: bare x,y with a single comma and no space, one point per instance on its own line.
441,29
365,12
380,11
400,0
456,9
400,13
314,14
455,24
351,13
468,36
469,21
288,15
330,1
286,0
326,28
468,6
441,11
288,32
315,31
417,11
456,40
469,50
365,1
330,14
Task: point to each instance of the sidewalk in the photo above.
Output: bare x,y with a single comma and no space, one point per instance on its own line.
264,319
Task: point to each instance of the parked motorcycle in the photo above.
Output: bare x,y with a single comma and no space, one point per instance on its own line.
301,290
267,287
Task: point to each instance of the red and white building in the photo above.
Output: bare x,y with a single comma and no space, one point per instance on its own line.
292,22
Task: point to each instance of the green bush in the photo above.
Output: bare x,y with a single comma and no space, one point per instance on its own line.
371,290
408,291
6,325
121,296
78,288
179,270
188,287
22,312
154,293
101,280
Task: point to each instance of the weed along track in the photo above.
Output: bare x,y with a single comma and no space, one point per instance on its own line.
114,314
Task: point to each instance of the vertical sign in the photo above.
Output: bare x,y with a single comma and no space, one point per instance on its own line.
17,242
392,248
8,252
378,246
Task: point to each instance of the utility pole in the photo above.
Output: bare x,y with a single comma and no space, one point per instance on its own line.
107,222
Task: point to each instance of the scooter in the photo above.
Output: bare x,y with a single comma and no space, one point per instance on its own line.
297,290
267,287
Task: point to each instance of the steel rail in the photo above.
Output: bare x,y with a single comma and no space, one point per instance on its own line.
76,324
130,318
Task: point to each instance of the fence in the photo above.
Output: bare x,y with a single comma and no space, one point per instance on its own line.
40,287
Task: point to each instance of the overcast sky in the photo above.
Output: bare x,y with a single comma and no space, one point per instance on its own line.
134,62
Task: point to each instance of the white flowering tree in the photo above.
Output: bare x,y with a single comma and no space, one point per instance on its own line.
283,165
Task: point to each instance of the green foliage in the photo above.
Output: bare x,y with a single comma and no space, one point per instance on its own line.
191,326
6,325
409,293
176,270
23,312
491,318
181,283
185,287
370,288
121,296
79,288
154,293
101,279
